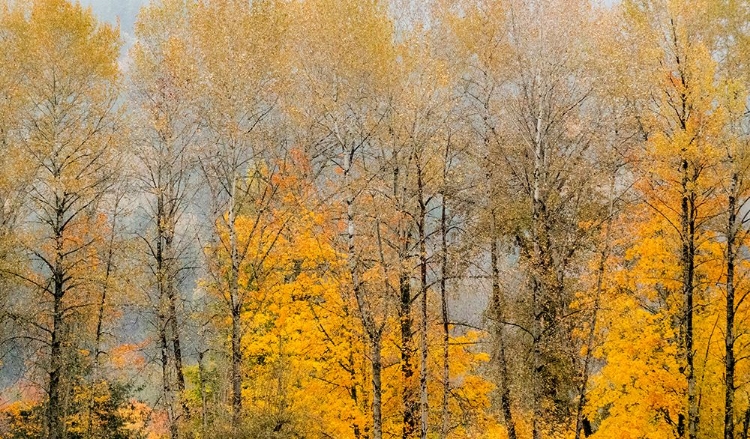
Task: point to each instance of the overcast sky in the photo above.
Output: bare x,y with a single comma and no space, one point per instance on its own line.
110,10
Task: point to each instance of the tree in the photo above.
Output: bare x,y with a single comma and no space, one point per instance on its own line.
536,127
69,87
236,111
342,97
163,85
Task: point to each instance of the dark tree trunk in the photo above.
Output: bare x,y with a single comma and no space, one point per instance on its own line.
166,382
729,361
445,318
409,426
55,423
424,408
688,215
54,412
371,328
582,424
204,396
538,269
236,370
377,389
236,314
498,314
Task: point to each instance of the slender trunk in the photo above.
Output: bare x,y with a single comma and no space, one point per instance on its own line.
236,370
374,333
55,422
746,424
163,313
356,430
424,408
204,397
236,308
498,306
54,415
377,389
166,383
688,274
409,394
581,422
409,424
167,229
729,362
174,329
446,416
537,299
100,324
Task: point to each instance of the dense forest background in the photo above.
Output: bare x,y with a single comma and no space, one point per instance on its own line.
374,219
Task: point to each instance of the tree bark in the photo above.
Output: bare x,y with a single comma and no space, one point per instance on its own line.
409,426
377,389
445,318
372,330
499,315
56,426
424,408
688,274
537,269
54,415
236,311
729,361
109,267
204,397
581,422
166,382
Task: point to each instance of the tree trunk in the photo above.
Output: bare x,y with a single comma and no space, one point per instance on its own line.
100,321
581,422
409,426
204,398
688,274
445,318
424,408
236,309
729,361
54,415
499,315
377,389
174,324
373,332
166,382
56,426
538,261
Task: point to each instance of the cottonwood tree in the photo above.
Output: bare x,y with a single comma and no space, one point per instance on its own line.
536,124
418,132
342,91
163,88
680,126
241,146
69,86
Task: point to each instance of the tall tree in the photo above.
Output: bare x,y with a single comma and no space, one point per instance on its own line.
535,115
343,84
162,87
70,84
237,111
